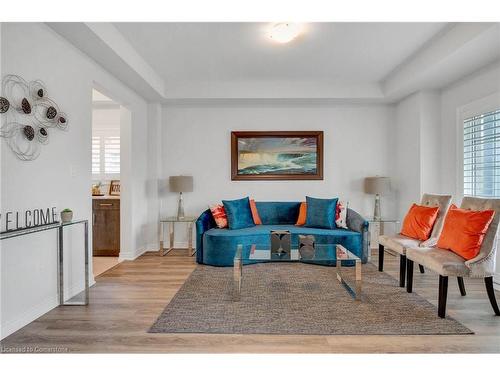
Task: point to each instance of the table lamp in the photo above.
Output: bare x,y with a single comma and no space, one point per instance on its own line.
377,185
181,184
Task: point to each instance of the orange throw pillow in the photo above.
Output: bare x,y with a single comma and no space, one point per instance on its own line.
419,221
255,213
464,231
301,220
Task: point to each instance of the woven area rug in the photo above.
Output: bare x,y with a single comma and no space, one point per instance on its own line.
299,299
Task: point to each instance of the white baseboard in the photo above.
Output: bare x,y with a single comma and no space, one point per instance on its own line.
138,252
28,316
38,310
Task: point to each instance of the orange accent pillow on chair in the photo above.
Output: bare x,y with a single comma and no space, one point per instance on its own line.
301,220
464,231
419,221
255,213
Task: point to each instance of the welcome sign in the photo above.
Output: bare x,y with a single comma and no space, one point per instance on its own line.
16,220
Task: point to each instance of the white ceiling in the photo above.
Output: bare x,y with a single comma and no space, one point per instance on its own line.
201,54
329,62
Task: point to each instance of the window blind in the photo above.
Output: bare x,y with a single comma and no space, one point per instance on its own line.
105,154
482,155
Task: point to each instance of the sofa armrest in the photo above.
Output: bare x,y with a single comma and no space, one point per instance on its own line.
358,223
204,222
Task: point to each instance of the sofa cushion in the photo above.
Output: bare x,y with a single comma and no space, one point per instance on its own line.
399,243
321,213
278,212
239,214
442,261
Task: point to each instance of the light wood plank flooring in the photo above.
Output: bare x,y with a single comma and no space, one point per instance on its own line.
127,299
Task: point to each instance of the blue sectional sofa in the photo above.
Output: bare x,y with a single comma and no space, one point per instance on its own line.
216,247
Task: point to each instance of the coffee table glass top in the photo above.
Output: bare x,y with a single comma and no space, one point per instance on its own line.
320,253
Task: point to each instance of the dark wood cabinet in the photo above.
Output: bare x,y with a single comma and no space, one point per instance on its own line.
106,227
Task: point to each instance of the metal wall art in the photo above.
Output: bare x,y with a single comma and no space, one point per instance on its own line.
27,116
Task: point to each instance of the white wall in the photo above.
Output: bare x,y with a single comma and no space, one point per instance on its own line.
196,141
415,141
28,272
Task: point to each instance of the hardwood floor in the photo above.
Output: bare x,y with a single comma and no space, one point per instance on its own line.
127,299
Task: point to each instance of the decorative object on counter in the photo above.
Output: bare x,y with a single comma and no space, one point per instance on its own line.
181,184
306,246
96,189
66,215
280,243
114,187
27,115
277,155
377,185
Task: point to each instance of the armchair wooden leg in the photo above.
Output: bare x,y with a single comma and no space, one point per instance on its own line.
381,258
402,270
409,275
491,294
443,294
461,286
421,268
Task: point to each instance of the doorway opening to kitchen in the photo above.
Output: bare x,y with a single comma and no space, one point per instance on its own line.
106,163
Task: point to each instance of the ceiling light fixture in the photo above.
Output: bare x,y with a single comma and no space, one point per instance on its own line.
284,32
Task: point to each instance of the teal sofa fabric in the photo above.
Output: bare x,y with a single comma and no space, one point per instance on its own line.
239,214
321,213
217,247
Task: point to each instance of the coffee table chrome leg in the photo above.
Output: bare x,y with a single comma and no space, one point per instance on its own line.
356,293
358,280
237,274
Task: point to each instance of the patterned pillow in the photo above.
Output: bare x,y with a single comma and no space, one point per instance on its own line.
341,214
219,214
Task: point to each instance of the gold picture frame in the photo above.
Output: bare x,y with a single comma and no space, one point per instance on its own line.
114,187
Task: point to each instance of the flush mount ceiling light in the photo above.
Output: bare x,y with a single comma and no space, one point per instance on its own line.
284,32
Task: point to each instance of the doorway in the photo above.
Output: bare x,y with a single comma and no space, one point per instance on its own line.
106,182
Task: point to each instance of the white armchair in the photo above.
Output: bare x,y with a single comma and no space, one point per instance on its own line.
446,263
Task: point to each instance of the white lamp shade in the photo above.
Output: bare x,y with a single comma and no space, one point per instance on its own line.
181,184
377,185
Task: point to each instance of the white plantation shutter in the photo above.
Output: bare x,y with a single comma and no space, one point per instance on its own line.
482,155
112,155
96,155
106,154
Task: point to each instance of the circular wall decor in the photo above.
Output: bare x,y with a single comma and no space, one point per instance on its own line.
25,128
26,106
4,105
51,113
29,132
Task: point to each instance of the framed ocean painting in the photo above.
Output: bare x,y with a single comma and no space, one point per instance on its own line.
277,155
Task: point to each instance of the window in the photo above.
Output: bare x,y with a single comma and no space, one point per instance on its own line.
106,154
482,155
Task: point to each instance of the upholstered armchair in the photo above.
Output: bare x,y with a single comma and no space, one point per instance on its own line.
446,263
399,243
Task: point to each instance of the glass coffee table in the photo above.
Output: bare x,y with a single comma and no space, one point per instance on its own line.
320,254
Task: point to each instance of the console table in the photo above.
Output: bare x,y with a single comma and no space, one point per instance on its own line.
171,221
60,252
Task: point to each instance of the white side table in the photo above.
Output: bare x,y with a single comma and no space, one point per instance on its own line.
189,220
